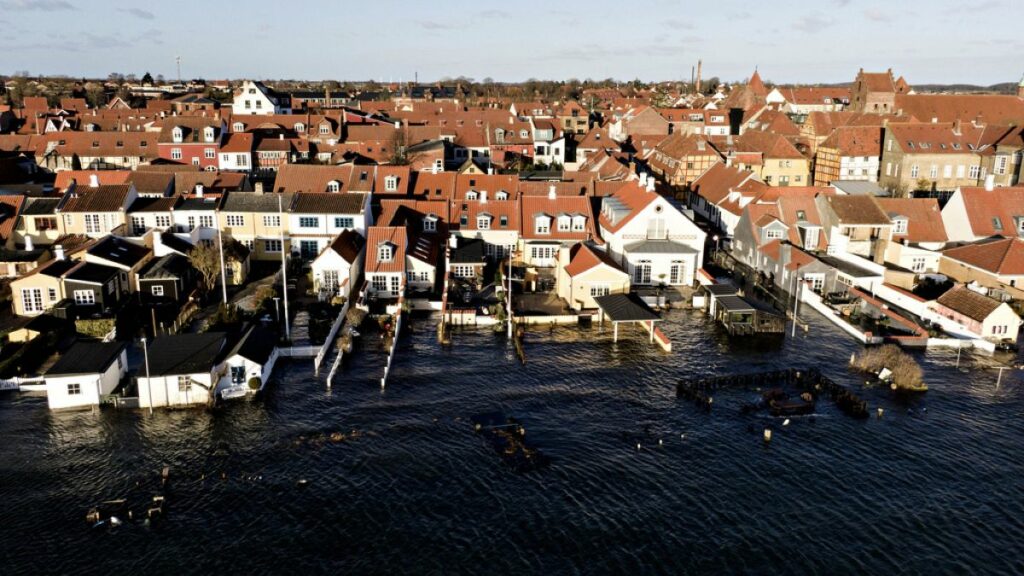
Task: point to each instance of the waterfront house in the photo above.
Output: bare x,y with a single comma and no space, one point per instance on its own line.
338,266
993,263
649,237
586,272
184,370
254,219
386,261
249,364
86,373
917,233
721,193
552,222
316,218
466,261
854,225
979,315
487,210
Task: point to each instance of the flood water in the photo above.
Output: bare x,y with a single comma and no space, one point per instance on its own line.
933,487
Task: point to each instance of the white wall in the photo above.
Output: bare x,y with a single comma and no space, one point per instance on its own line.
164,390
91,385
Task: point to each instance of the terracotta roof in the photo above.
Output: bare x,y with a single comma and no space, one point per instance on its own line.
943,138
1003,256
985,209
756,85
583,257
152,182
877,81
989,108
472,209
968,303
490,183
434,186
236,143
102,144
632,196
103,198
82,177
348,245
328,203
377,235
532,206
10,205
213,182
402,212
312,178
924,219
855,141
715,184
403,179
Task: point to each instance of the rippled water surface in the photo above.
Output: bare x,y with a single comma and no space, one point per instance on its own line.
933,487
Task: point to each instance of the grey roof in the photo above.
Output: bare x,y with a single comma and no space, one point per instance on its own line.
86,358
469,251
206,203
722,289
733,303
658,247
171,266
93,273
625,308
175,243
847,268
257,345
39,206
184,353
119,251
859,188
255,202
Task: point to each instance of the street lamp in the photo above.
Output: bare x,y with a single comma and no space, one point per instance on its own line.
277,308
714,255
149,385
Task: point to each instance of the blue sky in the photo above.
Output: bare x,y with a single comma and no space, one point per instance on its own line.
796,41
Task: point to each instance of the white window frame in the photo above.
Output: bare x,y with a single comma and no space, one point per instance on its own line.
175,153
235,220
85,297
272,221
272,245
899,226
32,300
385,253
309,222
74,388
334,186
156,290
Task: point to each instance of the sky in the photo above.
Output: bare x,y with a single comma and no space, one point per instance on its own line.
796,41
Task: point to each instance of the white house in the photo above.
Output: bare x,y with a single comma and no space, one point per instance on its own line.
650,238
253,357
256,98
85,373
337,267
973,212
184,370
316,218
385,260
587,272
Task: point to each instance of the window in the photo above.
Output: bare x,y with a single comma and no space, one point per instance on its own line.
238,127
396,284
380,283
210,153
899,226
242,160
157,290
501,195
947,171
504,221
677,272
309,222
917,263
997,224
542,252
272,221
333,186
391,183
418,276
579,223
175,153
772,234
471,195
92,224
74,389
1001,162
543,225
599,290
46,223
177,134
32,300
163,221
960,171
914,171
235,220
325,128
195,161
483,222
238,374
430,223
385,253
933,172
206,220
184,383
271,245
974,173
85,297
463,271
642,272
138,225
259,104
51,293
344,222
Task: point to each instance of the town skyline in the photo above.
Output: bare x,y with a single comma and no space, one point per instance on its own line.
732,39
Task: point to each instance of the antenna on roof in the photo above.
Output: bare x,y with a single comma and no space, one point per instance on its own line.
177,60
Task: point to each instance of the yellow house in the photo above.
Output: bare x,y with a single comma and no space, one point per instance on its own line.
585,272
38,223
95,210
39,290
253,219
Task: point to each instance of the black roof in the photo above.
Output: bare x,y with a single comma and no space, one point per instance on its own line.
86,358
257,345
39,206
94,273
119,251
175,243
169,266
205,203
185,353
626,308
469,251
57,268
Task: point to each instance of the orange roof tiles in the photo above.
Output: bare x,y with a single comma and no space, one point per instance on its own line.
1003,256
985,208
924,219
82,177
379,235
532,206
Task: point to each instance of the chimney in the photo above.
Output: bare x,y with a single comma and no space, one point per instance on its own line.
453,241
511,120
199,190
552,192
280,136
990,182
434,169
956,127
94,180
483,196
650,184
58,252
258,187
28,244
398,125
490,169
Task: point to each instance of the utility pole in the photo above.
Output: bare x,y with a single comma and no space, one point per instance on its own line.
796,300
149,384
509,293
223,274
284,270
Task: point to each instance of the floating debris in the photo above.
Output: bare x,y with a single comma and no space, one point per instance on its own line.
507,436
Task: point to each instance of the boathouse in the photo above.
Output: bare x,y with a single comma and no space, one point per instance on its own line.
739,316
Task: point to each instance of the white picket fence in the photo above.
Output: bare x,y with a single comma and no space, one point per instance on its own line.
16,382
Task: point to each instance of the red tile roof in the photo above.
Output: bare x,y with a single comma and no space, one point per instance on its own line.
82,177
583,257
632,196
532,206
924,219
377,235
103,198
1003,256
985,207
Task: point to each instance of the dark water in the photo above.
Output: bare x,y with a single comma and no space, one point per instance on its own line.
934,490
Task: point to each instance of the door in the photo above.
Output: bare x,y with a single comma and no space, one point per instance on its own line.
642,272
677,273
308,249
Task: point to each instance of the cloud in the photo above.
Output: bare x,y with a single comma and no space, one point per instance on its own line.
842,3
875,15
434,25
37,5
494,13
677,23
813,23
138,13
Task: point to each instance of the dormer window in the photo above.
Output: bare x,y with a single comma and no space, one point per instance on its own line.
238,127
334,186
208,133
899,226
501,195
325,128
542,225
471,195
177,134
483,222
801,215
579,223
391,183
299,127
430,223
385,252
524,134
997,224
564,223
